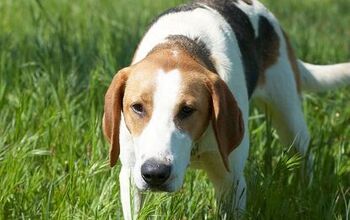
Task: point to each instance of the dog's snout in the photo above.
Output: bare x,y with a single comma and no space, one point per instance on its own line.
155,173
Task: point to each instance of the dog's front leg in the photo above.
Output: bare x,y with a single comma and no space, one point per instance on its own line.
131,197
231,196
230,186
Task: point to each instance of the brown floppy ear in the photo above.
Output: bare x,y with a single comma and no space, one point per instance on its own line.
227,118
112,113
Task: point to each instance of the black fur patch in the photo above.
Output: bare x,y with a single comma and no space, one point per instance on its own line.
267,45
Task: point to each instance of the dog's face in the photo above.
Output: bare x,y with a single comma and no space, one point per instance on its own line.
165,111
166,107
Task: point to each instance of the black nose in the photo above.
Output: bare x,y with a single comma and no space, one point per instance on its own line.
155,173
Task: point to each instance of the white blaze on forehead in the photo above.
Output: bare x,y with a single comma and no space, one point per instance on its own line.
157,137
166,94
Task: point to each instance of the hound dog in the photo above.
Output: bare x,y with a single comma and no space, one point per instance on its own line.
184,100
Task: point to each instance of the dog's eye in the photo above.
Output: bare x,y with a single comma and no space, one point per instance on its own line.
138,109
185,112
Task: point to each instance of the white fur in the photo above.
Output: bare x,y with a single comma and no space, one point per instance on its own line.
318,78
127,190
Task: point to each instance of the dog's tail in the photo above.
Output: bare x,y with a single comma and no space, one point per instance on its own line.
317,78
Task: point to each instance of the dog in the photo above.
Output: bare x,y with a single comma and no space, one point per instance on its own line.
184,100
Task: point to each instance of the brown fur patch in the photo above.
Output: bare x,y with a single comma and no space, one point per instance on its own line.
293,62
227,118
139,90
193,93
112,113
268,45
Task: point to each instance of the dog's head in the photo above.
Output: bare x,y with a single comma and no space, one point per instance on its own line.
168,100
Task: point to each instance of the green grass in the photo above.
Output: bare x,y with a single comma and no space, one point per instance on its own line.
57,58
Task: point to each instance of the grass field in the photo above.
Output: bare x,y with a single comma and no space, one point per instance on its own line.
57,58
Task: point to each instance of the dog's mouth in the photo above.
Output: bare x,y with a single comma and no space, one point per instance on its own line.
161,188
165,187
